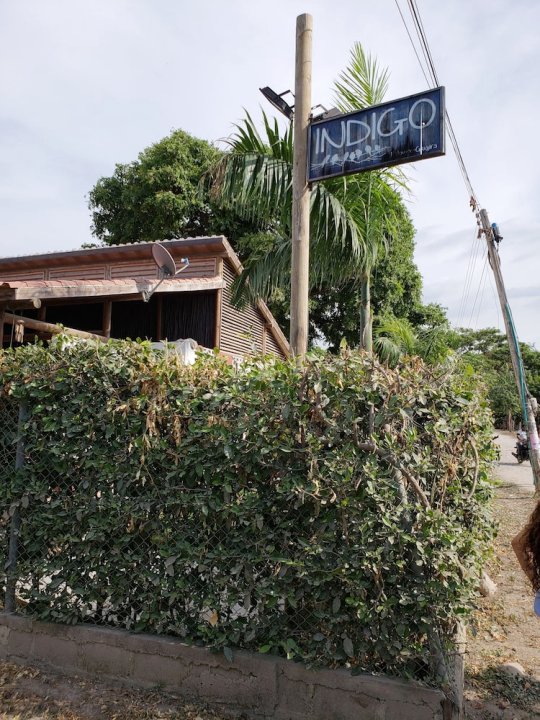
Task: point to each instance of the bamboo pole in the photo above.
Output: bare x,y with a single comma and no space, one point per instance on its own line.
49,328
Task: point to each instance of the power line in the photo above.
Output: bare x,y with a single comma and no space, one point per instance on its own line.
412,43
476,247
415,12
434,82
478,290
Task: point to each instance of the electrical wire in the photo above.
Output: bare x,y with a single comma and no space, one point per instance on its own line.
433,81
478,289
412,43
482,293
476,247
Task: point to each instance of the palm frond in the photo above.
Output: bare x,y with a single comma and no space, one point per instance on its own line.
362,83
433,343
387,350
399,331
263,274
255,176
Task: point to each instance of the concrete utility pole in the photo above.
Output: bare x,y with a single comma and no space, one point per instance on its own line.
527,401
300,188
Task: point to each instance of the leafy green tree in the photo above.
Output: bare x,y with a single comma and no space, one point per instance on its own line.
158,196
486,351
396,290
352,220
356,224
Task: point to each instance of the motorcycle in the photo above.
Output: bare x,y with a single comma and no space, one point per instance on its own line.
522,450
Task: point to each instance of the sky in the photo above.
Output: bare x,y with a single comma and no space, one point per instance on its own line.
86,84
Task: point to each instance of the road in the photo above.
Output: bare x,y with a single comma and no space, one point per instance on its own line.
509,470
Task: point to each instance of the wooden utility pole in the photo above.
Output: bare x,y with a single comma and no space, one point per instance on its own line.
300,188
527,401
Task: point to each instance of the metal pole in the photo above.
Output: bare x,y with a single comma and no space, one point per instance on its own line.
13,549
528,402
300,189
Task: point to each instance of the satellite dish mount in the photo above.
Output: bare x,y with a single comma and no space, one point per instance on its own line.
166,267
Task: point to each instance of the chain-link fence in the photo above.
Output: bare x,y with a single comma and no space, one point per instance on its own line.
229,522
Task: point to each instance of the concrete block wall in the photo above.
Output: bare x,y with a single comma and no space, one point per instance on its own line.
260,686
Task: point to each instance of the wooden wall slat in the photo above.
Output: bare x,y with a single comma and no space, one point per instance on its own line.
242,331
200,267
82,273
22,275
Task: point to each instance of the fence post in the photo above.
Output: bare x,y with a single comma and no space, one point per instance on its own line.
14,530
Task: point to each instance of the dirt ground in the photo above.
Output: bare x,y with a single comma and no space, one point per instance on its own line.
504,630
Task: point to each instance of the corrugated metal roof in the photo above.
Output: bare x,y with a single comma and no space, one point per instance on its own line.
18,290
139,243
116,282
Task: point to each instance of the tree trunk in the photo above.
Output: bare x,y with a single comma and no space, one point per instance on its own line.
366,319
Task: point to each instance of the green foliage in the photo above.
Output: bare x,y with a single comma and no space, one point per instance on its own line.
353,220
486,352
362,83
272,509
396,337
158,196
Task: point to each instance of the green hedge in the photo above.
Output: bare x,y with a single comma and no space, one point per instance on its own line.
336,513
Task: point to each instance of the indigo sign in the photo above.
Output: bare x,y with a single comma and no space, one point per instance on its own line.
402,131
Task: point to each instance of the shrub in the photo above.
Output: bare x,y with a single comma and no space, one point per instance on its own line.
336,512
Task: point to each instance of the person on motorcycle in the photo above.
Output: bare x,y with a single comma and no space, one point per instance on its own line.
522,447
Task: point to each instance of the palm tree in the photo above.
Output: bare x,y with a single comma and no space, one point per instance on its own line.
351,218
396,337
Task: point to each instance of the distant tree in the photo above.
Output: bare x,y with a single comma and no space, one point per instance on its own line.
159,196
487,352
396,290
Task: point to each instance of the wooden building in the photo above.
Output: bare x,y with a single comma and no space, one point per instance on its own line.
101,290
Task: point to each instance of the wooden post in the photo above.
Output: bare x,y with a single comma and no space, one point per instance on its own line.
219,303
107,317
530,409
159,317
300,188
49,328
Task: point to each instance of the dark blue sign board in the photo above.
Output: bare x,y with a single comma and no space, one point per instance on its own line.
402,131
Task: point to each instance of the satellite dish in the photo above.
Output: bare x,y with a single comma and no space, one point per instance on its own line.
166,267
164,260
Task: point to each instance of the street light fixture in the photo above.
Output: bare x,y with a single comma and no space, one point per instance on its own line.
276,99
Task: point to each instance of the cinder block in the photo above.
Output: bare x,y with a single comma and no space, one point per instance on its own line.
4,637
159,670
99,635
251,692
99,658
337,695
55,651
20,622
20,644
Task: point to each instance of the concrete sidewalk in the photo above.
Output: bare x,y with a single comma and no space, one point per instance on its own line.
509,471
